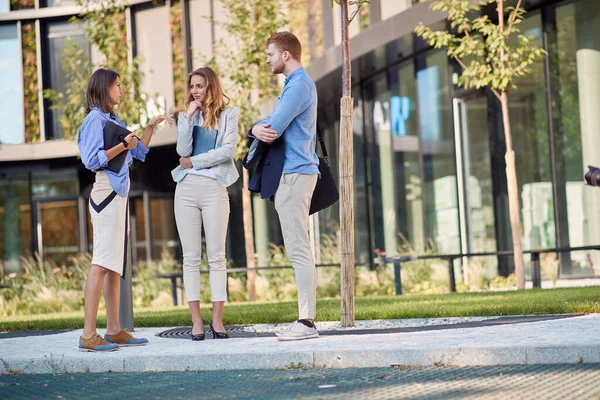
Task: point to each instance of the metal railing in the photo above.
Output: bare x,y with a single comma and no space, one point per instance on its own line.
175,276
536,275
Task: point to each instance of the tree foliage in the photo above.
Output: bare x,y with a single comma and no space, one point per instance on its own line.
357,3
30,83
105,29
246,80
490,53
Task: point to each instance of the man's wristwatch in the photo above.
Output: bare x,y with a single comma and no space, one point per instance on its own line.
125,143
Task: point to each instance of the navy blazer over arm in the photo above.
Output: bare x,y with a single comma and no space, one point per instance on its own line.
268,158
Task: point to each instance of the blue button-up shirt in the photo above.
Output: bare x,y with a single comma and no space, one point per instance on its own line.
295,118
91,146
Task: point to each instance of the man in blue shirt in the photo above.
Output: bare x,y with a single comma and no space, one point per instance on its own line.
294,120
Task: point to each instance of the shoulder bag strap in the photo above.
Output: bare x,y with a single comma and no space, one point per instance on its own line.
322,142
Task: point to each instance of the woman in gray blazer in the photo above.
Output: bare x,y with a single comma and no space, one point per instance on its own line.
206,142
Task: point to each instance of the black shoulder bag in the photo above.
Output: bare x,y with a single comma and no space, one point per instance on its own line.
326,192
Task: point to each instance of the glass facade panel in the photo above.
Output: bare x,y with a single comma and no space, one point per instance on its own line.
138,225
480,200
15,220
58,35
575,62
362,250
18,4
381,162
163,227
329,218
11,87
407,165
153,44
437,141
59,231
58,3
529,125
55,184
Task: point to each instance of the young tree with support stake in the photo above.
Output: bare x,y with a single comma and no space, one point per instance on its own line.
346,174
489,58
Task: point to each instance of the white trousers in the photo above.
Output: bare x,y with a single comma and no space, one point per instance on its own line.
201,201
292,202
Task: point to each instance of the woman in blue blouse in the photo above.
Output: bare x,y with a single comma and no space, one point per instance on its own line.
108,209
206,141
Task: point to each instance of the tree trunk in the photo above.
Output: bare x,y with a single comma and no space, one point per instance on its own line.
248,236
346,169
513,196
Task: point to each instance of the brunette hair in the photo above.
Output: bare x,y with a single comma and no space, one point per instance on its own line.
214,101
97,90
287,41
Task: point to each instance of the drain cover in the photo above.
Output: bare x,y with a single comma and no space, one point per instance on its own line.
186,331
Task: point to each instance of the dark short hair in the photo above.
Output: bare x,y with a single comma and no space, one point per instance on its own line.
97,90
287,41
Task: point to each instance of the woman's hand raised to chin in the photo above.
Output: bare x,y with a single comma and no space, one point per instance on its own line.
192,108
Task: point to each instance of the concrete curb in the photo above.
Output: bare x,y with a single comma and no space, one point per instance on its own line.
55,363
568,341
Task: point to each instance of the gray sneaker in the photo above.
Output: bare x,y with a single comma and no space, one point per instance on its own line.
297,331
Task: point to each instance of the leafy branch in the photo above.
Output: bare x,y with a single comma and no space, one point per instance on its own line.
484,50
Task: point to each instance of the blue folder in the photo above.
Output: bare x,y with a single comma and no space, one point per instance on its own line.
203,140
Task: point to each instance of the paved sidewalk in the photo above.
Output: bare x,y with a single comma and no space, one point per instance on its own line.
568,340
530,382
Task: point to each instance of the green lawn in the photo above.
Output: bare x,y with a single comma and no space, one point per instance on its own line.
526,302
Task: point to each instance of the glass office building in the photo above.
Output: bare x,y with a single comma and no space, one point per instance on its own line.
429,156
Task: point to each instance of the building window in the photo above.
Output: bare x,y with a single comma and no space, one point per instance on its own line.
439,161
11,87
529,126
153,45
57,3
575,62
15,220
56,215
16,5
58,35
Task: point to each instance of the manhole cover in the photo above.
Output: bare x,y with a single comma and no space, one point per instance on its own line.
185,332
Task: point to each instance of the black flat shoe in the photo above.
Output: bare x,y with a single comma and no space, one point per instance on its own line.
218,335
197,338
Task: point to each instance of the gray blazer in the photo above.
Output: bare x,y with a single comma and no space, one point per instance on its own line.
221,158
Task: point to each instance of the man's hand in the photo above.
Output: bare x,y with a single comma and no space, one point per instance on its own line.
264,134
185,162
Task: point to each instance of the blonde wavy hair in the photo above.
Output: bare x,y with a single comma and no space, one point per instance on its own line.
214,101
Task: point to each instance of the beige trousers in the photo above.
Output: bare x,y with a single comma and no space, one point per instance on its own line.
292,202
201,201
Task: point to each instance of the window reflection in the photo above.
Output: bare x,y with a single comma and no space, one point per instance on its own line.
11,87
436,126
15,220
58,35
59,230
575,55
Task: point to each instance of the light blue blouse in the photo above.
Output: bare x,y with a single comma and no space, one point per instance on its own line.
90,140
